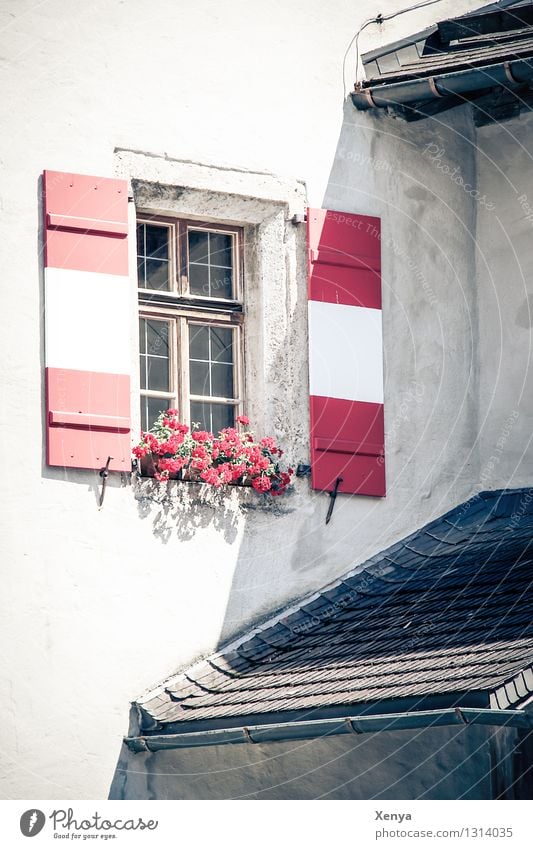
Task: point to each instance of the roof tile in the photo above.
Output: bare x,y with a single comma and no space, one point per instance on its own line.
447,610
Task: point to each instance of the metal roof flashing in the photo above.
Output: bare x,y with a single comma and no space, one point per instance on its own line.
332,727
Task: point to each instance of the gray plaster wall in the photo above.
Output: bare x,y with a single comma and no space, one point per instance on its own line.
505,293
431,763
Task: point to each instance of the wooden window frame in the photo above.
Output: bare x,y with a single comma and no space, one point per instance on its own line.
181,308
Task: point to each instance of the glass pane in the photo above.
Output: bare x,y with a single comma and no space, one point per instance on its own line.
222,415
157,337
200,415
141,273
212,417
154,341
157,274
158,374
221,282
150,409
222,380
199,280
198,246
157,241
199,378
222,344
220,249
143,364
198,342
140,239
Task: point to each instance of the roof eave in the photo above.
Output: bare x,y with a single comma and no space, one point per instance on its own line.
443,85
311,729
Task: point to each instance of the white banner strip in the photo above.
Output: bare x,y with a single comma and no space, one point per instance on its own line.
87,321
345,352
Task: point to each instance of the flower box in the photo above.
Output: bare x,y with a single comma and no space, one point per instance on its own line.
171,451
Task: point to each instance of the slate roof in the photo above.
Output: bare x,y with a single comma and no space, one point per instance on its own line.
444,614
479,38
472,52
489,38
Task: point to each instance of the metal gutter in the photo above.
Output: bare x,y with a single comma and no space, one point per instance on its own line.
443,85
309,729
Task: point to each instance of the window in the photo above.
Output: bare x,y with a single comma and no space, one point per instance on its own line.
190,320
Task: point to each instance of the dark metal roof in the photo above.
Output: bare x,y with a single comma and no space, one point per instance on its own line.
443,617
452,62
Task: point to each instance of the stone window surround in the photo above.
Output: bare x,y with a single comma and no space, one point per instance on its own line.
275,278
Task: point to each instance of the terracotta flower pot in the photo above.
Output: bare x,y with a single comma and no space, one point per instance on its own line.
149,467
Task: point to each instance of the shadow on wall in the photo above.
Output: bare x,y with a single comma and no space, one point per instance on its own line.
180,510
376,171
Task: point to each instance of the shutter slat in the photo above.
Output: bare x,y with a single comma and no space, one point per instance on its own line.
329,257
90,420
347,447
347,423
87,225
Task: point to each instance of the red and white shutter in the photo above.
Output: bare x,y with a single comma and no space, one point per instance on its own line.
87,321
345,352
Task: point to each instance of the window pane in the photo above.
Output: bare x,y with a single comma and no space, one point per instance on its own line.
200,415
157,276
221,344
198,246
198,342
141,273
199,378
157,337
140,240
157,374
154,354
199,280
150,409
157,241
210,264
221,282
212,417
222,380
220,252
222,415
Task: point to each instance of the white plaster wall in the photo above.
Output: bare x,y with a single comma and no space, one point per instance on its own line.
99,605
